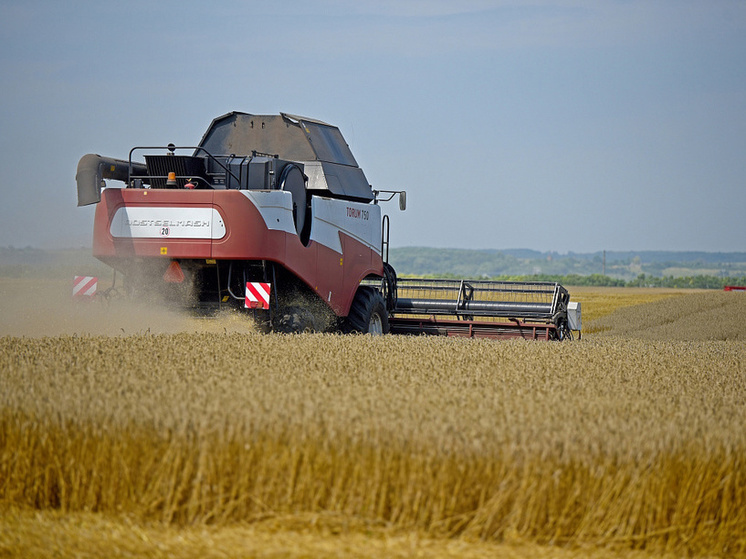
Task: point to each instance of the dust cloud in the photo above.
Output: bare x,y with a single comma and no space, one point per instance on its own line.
35,307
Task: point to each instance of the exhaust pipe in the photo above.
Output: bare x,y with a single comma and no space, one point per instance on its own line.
93,169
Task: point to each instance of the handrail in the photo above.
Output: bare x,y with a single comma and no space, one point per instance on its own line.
385,238
172,148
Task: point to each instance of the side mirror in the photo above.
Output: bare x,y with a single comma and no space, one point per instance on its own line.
403,200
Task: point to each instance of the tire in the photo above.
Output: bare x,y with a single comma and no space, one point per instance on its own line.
563,331
368,313
296,320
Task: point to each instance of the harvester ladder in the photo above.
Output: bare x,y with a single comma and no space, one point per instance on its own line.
385,226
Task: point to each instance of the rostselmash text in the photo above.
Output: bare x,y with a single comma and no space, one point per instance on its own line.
166,223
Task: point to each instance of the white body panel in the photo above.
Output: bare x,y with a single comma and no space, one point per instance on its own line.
573,315
359,221
173,222
276,208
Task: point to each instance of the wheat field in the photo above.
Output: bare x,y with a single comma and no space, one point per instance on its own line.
208,439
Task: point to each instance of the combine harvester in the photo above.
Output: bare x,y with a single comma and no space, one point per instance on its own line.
273,214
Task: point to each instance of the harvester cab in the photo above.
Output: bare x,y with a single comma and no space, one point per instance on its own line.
272,213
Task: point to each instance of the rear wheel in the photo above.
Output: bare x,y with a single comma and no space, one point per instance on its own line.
296,320
368,313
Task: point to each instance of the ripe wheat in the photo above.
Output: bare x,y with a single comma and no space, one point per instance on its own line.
606,442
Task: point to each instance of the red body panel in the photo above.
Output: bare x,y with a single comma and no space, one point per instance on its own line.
333,276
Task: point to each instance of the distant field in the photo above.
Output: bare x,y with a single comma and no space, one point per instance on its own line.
133,430
597,302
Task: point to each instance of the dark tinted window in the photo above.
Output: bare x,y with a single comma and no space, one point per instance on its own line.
329,144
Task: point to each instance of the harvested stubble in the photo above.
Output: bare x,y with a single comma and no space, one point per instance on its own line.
704,315
616,443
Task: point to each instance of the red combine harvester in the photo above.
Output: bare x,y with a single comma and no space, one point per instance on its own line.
272,213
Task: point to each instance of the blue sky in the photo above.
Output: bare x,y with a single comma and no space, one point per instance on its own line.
551,125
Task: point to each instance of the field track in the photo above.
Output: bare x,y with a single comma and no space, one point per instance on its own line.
134,430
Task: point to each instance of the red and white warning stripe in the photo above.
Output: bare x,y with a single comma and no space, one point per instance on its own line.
257,295
84,286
